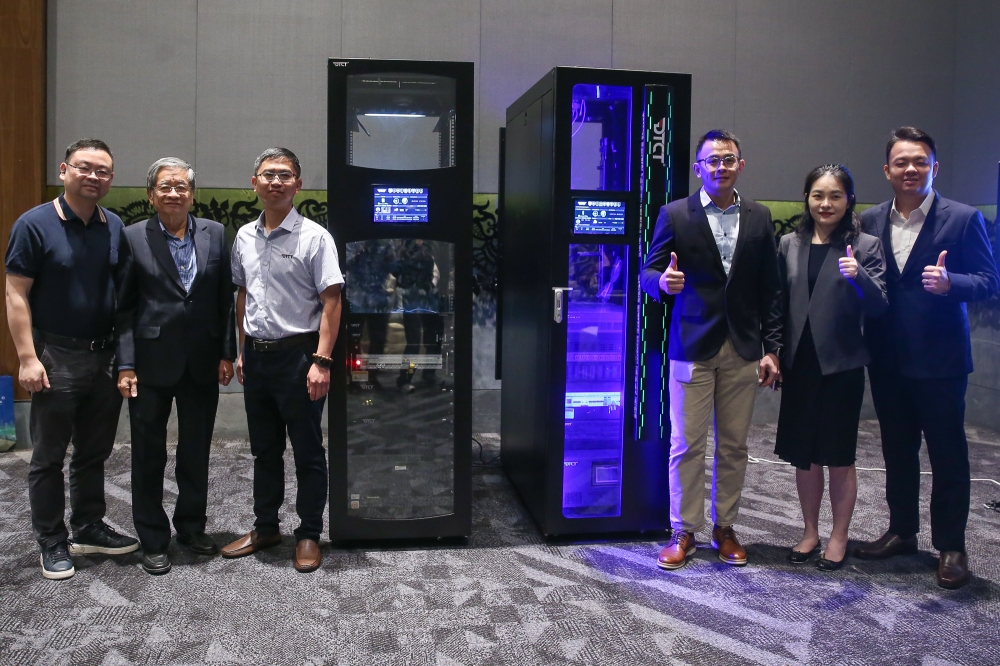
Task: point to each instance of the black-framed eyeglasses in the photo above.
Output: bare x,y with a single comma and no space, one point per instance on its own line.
713,162
280,176
85,170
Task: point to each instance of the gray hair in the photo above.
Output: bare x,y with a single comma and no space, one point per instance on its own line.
278,154
168,163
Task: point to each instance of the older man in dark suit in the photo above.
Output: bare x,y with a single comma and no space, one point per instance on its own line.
177,341
938,257
714,253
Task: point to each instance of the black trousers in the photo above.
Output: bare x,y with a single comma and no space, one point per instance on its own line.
277,401
907,407
148,412
82,405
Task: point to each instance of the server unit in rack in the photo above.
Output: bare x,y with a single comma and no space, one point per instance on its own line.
400,201
590,157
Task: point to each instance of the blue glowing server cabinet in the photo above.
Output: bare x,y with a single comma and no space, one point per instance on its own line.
400,150
590,156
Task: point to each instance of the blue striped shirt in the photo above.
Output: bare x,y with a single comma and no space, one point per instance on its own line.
182,250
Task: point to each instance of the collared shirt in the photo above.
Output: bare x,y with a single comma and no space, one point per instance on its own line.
73,267
725,226
284,273
183,252
905,230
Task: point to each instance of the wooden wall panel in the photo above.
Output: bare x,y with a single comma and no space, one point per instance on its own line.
22,133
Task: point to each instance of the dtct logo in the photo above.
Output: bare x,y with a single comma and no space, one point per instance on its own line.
658,147
337,63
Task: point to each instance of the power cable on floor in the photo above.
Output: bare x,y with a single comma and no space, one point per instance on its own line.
483,462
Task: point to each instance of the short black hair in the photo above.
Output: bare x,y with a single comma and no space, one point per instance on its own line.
849,226
84,144
913,134
718,135
276,154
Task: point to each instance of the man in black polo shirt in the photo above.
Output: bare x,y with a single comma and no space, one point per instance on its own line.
62,262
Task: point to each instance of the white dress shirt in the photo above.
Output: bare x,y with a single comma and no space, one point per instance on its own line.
905,230
725,226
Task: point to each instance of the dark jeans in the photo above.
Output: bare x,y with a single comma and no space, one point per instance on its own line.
148,412
907,407
277,401
82,405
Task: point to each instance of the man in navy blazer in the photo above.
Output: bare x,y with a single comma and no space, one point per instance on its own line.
938,258
714,254
177,340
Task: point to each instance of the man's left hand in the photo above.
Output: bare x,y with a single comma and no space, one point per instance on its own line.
225,372
936,278
318,382
768,370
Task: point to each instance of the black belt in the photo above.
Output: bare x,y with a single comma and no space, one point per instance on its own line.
85,344
291,341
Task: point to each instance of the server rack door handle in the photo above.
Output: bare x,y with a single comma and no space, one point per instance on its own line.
559,303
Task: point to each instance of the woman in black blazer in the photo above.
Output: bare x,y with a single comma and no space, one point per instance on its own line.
832,276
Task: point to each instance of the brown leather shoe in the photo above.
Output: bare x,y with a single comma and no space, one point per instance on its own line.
886,546
250,543
953,571
730,550
677,551
307,556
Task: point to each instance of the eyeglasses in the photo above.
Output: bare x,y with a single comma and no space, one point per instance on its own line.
181,189
85,170
714,161
280,176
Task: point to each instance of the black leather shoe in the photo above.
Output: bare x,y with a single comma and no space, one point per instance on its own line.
887,545
824,564
197,542
798,557
155,563
953,571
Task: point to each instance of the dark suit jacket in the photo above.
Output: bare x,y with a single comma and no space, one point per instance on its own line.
745,306
163,330
835,310
923,335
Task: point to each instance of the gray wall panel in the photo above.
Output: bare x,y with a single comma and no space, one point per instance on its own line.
521,41
418,30
977,103
261,83
687,36
902,73
123,72
791,93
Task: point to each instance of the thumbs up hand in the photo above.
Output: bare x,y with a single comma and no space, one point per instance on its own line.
849,265
672,280
935,277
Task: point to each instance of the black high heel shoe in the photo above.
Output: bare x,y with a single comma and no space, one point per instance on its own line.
798,557
824,564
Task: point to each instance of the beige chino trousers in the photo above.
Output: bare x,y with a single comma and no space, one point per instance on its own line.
728,383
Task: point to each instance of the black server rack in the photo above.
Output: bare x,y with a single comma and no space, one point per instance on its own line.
590,157
400,200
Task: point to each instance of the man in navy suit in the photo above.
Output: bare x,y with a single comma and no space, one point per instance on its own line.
938,258
177,341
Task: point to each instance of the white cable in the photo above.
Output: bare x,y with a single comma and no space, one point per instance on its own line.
755,461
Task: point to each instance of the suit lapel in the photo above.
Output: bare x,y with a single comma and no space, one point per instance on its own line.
924,238
158,246
883,231
830,270
201,249
798,297
700,219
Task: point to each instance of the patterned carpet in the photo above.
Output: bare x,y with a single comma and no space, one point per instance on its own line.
505,597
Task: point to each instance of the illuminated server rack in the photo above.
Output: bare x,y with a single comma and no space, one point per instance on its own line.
400,199
590,157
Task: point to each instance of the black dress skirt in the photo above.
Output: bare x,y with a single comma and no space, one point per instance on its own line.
818,422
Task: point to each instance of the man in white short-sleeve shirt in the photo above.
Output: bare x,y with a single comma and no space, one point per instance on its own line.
288,311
